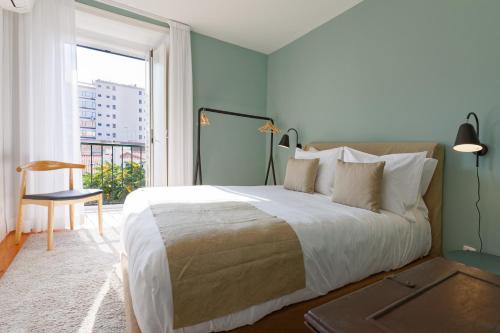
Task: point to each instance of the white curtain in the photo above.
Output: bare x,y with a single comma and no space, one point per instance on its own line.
38,105
159,115
180,106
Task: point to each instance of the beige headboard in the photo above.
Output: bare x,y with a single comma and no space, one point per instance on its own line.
434,196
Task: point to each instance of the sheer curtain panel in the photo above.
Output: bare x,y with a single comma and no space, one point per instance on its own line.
180,106
40,118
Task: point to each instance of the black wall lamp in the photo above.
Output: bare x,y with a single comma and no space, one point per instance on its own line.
467,141
285,139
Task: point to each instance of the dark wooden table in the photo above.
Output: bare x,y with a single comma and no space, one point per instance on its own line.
436,296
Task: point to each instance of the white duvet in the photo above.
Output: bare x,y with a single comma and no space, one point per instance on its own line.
341,245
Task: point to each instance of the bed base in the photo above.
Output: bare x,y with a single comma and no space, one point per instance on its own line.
290,319
132,325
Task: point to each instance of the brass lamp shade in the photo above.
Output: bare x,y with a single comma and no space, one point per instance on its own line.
269,127
204,119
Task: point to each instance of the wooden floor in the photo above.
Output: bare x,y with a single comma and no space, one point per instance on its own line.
9,250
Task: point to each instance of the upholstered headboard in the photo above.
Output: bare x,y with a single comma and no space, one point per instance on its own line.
433,197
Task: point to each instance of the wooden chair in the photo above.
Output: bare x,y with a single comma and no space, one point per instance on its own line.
69,197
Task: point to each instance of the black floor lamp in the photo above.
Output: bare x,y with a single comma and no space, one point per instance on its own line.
268,127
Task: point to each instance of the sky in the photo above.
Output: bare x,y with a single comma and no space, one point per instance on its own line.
93,65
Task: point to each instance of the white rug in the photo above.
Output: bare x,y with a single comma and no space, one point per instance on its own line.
74,288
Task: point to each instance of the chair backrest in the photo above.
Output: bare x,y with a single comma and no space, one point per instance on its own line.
48,165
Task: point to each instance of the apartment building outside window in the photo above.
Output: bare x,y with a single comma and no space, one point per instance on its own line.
87,133
87,114
87,123
125,124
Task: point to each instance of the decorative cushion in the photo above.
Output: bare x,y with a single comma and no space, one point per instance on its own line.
359,184
301,174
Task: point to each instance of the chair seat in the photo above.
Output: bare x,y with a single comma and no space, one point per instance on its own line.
64,195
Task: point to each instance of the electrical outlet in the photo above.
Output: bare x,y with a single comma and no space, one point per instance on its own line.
469,248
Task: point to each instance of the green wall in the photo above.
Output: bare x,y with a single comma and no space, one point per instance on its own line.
228,77
391,70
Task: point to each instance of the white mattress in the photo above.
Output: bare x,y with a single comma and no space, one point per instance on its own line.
341,245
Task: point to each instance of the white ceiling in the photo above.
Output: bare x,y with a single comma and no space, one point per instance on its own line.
261,25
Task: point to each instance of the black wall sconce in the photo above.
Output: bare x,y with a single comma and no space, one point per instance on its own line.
285,139
467,141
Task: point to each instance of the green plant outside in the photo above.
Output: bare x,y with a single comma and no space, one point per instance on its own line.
115,183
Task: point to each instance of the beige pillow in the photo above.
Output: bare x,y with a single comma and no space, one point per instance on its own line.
301,174
359,184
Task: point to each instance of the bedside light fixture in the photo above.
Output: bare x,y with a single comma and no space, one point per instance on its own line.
467,141
285,140
204,119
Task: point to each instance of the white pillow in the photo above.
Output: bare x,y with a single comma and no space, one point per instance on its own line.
401,181
429,168
327,164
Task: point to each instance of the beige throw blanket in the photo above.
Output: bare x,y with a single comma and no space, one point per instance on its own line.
225,257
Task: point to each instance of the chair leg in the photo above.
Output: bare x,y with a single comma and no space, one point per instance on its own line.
99,213
50,230
72,216
19,222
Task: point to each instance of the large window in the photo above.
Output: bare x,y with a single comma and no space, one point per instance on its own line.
114,153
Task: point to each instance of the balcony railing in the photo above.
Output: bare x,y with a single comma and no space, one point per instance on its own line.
117,169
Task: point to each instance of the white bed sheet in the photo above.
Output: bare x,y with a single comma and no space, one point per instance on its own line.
341,245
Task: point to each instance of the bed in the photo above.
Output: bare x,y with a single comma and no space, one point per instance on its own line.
341,245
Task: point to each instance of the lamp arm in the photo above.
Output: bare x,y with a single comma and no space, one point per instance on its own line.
485,148
477,122
297,134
